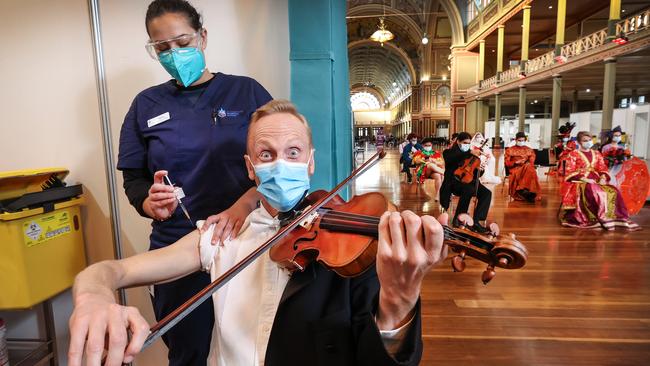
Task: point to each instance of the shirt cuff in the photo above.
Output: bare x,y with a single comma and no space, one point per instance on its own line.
393,339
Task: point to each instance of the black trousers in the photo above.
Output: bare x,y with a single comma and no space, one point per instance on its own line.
406,168
189,340
465,192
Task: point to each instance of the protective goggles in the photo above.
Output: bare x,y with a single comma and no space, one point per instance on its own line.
154,48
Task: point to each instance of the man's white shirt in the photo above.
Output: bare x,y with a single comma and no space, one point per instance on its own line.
244,309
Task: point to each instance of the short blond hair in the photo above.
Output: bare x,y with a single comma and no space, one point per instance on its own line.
274,107
582,134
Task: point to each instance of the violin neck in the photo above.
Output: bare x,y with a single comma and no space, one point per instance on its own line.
352,223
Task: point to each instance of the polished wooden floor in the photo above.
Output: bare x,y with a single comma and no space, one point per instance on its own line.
582,299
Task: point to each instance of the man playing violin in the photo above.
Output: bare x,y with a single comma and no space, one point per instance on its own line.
266,315
454,157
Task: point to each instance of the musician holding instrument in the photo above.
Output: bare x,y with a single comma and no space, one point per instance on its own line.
520,160
462,172
266,314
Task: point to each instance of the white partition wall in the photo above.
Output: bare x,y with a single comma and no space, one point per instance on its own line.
633,121
245,37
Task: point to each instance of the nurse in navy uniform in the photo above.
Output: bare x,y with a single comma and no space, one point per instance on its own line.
193,129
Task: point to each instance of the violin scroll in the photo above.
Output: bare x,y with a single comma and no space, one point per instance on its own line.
502,251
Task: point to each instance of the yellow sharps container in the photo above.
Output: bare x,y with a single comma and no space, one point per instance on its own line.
41,241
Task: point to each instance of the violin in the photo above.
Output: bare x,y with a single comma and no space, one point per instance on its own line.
343,237
467,171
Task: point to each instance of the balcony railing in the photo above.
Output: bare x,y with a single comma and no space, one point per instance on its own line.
634,24
539,63
625,27
585,44
488,83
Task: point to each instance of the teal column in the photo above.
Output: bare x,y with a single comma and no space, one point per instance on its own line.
320,84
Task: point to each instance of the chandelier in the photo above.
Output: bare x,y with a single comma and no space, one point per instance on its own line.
382,34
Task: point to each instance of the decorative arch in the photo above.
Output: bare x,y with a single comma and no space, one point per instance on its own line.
457,32
405,58
412,28
370,89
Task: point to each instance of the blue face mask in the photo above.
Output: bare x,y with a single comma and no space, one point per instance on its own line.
184,64
587,145
465,147
282,183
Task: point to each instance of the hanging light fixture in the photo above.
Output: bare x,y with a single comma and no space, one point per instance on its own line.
382,34
425,40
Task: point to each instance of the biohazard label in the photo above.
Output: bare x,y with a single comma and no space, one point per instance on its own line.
47,227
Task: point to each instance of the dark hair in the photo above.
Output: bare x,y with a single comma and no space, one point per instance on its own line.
454,135
161,7
463,136
520,135
427,140
411,136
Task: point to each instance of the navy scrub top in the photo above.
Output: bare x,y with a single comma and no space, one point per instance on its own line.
200,142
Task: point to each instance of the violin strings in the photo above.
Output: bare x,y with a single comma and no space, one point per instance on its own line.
337,220
340,214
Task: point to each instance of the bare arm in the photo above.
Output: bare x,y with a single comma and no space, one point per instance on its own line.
97,317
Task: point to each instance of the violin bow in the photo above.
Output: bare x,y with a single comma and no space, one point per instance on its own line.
160,328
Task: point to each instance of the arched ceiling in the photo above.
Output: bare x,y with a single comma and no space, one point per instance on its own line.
379,67
400,60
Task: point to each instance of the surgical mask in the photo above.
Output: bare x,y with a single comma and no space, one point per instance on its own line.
587,145
184,64
282,183
428,148
521,143
616,138
414,142
465,147
565,139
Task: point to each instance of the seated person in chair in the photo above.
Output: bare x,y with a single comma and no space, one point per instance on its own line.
429,164
455,157
520,160
588,200
407,155
266,315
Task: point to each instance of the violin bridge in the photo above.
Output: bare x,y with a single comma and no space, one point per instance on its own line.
309,220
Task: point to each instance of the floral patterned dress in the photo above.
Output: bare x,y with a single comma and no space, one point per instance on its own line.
427,162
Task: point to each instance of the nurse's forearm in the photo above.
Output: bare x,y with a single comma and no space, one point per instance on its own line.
249,199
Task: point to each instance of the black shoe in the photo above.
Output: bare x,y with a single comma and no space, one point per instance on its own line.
409,181
478,228
530,197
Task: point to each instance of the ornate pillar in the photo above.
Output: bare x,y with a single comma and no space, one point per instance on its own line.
556,104
497,120
481,60
500,42
609,93
574,101
560,22
614,17
522,108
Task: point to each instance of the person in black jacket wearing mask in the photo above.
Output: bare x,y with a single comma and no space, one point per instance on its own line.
454,157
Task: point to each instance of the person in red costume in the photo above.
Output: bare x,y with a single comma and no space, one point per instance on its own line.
589,201
520,160
429,165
